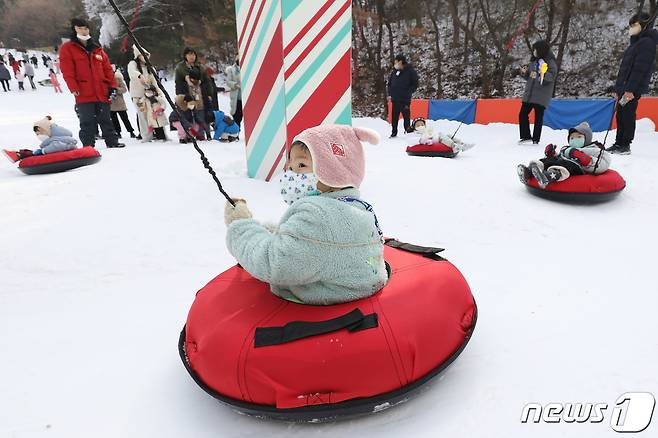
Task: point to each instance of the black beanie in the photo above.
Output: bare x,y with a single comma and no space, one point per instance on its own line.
79,22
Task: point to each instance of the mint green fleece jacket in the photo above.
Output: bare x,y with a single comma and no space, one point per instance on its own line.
324,251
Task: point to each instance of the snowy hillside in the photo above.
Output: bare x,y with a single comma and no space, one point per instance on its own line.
99,266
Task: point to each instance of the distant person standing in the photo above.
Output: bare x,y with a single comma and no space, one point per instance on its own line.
35,61
540,78
89,76
55,81
633,79
234,83
5,76
29,73
118,106
20,77
15,66
402,83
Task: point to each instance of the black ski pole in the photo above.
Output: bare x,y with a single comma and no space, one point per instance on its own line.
152,71
458,128
614,110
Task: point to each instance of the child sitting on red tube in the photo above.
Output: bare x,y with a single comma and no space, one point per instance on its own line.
53,139
582,156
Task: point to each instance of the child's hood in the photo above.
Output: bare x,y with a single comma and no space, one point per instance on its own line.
45,125
337,152
58,131
584,129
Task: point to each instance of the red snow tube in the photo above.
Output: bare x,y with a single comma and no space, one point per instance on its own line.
582,189
59,161
273,358
431,150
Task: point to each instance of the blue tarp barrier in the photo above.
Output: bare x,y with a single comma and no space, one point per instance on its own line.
567,113
459,110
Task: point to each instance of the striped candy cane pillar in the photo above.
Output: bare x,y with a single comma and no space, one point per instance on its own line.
296,73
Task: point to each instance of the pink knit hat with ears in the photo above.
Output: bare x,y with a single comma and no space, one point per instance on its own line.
337,152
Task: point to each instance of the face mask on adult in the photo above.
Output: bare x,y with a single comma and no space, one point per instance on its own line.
577,142
84,37
635,29
294,186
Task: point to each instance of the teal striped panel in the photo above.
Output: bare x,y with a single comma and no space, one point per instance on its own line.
274,121
345,116
288,6
259,43
319,61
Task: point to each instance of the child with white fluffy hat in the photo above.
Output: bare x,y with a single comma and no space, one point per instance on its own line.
328,247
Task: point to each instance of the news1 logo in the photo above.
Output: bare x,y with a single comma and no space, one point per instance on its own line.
631,413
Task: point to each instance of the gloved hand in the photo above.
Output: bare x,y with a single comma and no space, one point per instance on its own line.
580,156
240,211
112,94
550,150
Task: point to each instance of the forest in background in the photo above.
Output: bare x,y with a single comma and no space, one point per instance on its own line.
460,48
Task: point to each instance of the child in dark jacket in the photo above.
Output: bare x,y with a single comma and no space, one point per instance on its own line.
582,156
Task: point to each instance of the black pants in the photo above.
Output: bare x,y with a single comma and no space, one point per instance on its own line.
524,121
405,109
20,86
126,121
238,114
95,114
31,78
626,116
5,84
572,167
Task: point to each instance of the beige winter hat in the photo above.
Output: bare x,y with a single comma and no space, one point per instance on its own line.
44,125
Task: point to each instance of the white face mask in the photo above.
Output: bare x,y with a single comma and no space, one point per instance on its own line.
42,137
84,37
294,186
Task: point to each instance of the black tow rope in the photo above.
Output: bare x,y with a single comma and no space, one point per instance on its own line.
152,71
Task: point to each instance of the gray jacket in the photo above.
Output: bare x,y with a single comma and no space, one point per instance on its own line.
5,74
119,103
61,139
537,91
234,86
29,70
600,158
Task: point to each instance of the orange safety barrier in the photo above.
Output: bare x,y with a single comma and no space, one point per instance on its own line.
507,110
499,111
419,108
646,109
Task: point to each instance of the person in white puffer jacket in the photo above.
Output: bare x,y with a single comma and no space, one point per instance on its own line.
429,136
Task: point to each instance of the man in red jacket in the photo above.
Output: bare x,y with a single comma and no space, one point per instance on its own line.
89,76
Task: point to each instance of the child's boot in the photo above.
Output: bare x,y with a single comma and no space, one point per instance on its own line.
537,170
557,173
524,173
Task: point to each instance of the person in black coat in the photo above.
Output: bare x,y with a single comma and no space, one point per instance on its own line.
635,72
402,83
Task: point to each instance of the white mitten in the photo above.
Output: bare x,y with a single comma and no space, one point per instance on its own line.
240,211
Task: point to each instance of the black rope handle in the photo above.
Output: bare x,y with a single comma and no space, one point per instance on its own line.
152,71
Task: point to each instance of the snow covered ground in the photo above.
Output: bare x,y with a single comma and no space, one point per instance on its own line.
99,266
